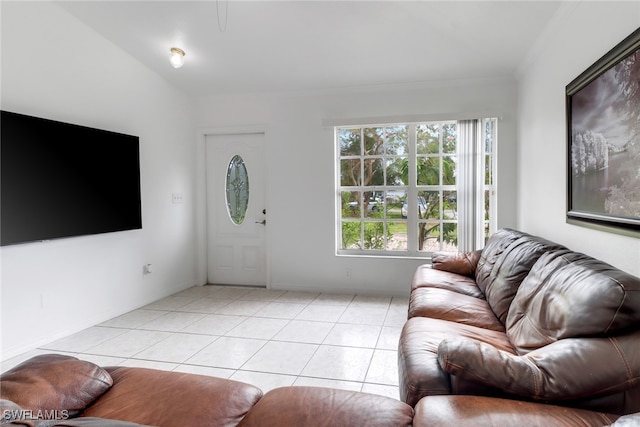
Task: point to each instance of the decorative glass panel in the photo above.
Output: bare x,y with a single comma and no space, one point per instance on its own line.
237,188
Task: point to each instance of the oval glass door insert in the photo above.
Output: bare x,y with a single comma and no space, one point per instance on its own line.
237,189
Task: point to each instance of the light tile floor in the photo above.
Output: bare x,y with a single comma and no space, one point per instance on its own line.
259,336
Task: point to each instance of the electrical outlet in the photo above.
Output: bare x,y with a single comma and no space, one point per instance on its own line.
177,198
146,269
348,271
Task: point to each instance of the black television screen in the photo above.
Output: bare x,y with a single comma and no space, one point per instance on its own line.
62,180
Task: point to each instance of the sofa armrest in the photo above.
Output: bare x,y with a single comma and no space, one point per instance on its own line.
54,382
564,370
463,263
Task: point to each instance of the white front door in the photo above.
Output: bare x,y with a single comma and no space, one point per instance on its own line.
236,212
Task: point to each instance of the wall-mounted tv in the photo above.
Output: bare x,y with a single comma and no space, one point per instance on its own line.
62,180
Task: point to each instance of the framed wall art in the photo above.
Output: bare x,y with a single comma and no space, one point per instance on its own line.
603,142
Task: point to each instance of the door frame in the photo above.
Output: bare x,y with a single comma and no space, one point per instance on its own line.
202,255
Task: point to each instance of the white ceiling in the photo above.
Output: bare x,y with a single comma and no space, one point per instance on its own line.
301,45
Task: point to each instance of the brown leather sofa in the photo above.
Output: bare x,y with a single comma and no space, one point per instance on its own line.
56,390
524,319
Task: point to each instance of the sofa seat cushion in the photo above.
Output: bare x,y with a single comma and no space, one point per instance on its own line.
419,371
428,277
54,382
474,411
318,407
162,398
444,304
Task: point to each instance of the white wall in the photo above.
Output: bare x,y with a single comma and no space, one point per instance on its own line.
583,33
300,171
55,67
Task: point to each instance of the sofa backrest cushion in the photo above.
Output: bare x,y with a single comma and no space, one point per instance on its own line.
504,263
166,398
302,406
571,295
54,382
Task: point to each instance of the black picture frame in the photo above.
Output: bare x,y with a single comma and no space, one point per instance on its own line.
603,142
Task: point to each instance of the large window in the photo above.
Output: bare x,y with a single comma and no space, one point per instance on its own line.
415,188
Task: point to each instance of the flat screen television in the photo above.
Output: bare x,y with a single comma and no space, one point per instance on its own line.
61,180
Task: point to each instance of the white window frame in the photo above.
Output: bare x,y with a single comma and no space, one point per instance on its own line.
470,186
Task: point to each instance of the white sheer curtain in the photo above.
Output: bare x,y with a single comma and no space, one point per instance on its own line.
470,185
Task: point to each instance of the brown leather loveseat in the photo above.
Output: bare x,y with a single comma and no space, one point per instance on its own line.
59,390
523,319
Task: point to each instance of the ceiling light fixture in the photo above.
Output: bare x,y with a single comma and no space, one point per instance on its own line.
177,57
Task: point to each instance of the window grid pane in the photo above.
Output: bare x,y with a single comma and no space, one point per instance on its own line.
350,142
489,158
449,138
